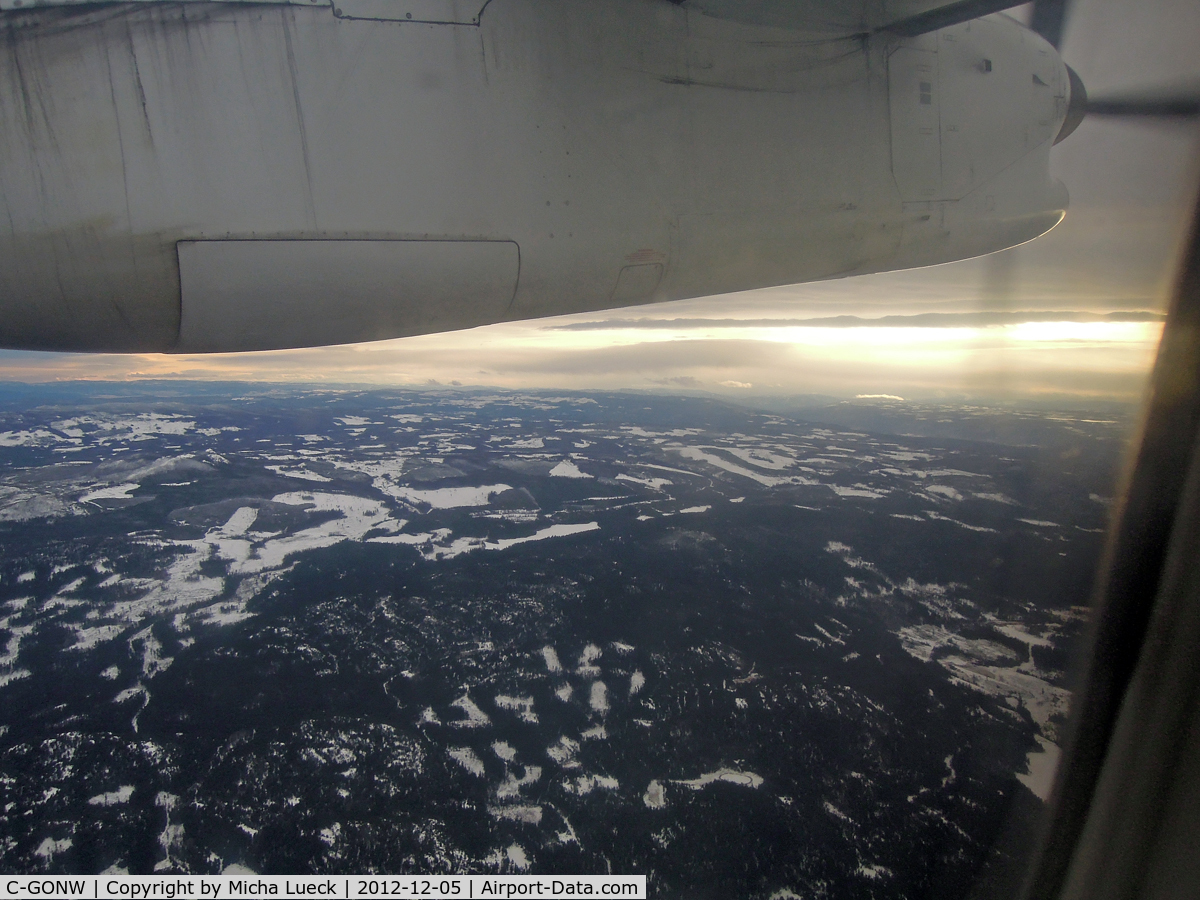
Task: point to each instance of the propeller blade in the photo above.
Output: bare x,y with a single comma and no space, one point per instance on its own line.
1048,19
1154,105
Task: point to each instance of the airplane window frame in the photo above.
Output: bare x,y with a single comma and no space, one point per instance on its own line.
1146,594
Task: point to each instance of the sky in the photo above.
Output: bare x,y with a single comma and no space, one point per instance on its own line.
1132,185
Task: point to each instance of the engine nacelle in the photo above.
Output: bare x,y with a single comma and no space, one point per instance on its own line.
218,176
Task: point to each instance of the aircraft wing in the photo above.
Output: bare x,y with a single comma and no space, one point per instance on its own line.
834,17
233,176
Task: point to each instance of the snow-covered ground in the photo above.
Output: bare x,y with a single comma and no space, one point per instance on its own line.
568,469
990,668
731,776
450,497
701,454
1042,764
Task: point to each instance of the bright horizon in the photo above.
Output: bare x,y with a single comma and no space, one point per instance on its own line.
1070,359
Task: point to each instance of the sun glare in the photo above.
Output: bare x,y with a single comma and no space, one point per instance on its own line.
1094,332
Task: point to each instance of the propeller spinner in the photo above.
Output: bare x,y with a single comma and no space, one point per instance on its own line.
1049,19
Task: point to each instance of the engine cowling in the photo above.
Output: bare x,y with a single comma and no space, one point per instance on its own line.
217,176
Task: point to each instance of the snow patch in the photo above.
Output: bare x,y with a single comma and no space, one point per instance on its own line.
655,796
49,848
568,469
585,784
1042,764
997,498
466,758
550,655
476,717
117,492
873,872
656,484
598,699
698,453
516,856
564,752
731,776
858,490
450,497
113,798
301,474
522,706
529,815
511,787
944,490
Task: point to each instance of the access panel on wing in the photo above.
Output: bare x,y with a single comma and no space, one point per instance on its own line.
272,294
